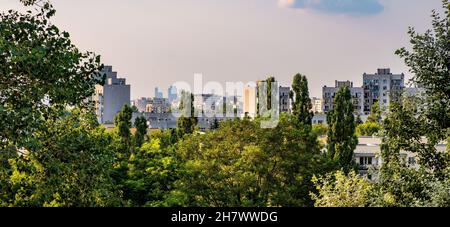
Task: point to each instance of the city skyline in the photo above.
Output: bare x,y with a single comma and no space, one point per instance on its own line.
156,43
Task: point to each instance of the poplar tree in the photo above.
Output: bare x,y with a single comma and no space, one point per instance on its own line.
301,102
187,122
141,130
341,139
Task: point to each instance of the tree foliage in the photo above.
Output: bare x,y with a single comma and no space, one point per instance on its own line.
241,164
368,129
375,113
141,130
187,122
41,72
341,140
301,103
69,165
339,190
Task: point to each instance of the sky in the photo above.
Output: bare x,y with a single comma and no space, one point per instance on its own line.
159,42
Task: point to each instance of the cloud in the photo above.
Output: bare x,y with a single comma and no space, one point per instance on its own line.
358,7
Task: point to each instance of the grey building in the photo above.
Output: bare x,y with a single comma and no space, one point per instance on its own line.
111,97
141,104
209,104
158,105
382,87
328,94
172,93
285,101
158,93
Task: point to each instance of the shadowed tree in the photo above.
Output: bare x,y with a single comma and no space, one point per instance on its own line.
141,130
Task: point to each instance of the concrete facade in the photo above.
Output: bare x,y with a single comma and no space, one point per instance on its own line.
382,87
285,101
111,97
328,94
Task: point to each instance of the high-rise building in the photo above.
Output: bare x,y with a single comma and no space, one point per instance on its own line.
285,101
172,93
329,93
382,87
158,93
250,102
111,97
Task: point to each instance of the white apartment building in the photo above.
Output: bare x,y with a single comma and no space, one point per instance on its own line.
368,156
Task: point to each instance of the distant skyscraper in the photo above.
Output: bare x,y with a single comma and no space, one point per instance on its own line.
158,94
172,93
382,87
111,97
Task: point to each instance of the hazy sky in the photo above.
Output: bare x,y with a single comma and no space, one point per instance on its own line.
157,42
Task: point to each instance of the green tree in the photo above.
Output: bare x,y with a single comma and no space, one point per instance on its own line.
375,113
301,102
241,164
368,129
338,190
151,174
69,166
122,121
141,130
320,129
41,72
342,141
187,122
429,63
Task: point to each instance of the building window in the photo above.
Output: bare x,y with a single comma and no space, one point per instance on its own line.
365,161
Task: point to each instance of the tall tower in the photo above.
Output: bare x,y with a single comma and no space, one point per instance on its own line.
111,97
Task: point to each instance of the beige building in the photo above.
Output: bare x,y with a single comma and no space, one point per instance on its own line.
250,102
317,105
